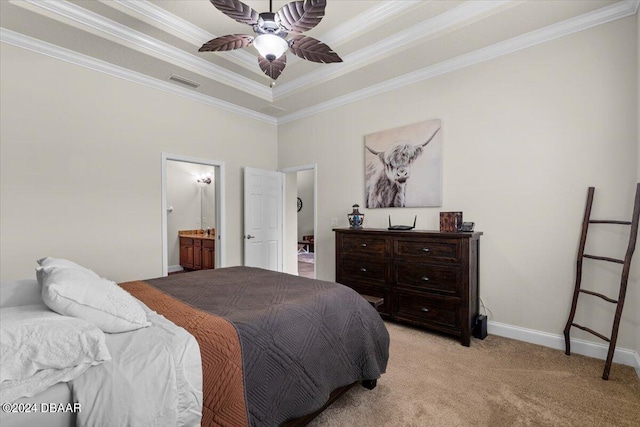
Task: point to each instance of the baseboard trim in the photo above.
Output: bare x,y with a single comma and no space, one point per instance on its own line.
623,356
174,268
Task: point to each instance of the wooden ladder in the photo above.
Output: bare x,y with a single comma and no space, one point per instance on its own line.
626,263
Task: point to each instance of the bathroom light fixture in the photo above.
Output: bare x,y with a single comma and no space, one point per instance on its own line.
204,178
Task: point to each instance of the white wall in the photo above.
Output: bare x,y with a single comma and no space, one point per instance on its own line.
184,196
80,171
305,192
524,136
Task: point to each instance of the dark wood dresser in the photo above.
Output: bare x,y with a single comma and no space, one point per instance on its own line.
426,278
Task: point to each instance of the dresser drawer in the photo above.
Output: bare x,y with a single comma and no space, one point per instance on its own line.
427,277
443,250
361,244
208,243
437,312
362,270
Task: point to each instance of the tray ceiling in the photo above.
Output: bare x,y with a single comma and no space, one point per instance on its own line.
384,44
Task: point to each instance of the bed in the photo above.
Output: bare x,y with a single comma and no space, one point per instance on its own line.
251,347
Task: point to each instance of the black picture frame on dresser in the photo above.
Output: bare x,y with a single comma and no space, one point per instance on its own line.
426,278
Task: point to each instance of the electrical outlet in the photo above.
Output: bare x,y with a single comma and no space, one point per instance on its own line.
334,222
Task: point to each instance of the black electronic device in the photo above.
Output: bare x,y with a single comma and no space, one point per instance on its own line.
467,226
480,329
402,227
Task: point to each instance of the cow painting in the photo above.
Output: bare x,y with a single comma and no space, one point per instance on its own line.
397,156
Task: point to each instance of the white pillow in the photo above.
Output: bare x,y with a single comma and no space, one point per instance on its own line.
81,293
62,263
33,339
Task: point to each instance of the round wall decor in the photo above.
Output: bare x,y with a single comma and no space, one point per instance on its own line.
299,204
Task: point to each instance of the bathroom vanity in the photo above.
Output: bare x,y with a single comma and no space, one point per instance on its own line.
197,249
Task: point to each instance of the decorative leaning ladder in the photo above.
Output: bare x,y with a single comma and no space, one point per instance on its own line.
626,263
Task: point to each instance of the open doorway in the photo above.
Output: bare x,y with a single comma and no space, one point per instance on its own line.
300,220
192,219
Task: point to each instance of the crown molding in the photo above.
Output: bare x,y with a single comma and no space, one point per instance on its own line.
365,22
48,49
150,46
604,15
391,45
166,21
582,22
369,20
361,24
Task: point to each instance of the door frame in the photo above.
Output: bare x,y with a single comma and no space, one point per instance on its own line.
314,168
220,252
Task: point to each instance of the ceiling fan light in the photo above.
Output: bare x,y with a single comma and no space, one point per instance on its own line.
270,46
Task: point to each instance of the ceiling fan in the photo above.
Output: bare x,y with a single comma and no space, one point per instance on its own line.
271,31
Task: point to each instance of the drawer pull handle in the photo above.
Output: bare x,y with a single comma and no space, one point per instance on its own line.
425,249
364,270
425,279
364,245
425,309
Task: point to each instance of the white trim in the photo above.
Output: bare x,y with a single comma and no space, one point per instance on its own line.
600,16
585,21
299,168
151,46
359,25
586,348
362,23
39,46
175,25
174,268
390,45
221,231
368,20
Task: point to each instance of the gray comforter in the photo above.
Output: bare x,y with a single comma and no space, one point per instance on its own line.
301,338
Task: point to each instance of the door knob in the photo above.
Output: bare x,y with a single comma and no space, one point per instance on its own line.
249,236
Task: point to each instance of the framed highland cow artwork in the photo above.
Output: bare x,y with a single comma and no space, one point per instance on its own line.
403,166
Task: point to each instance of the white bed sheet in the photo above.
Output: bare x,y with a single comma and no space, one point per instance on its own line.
155,378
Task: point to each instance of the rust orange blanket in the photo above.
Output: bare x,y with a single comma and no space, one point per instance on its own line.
223,386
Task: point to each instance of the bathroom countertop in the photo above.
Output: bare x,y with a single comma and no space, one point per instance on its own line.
195,234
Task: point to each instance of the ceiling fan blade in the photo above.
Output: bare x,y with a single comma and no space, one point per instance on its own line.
273,68
237,10
312,50
230,42
301,16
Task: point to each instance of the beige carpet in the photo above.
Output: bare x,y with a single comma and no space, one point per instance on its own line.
306,270
432,380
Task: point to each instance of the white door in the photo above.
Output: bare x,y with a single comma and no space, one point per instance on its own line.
263,218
